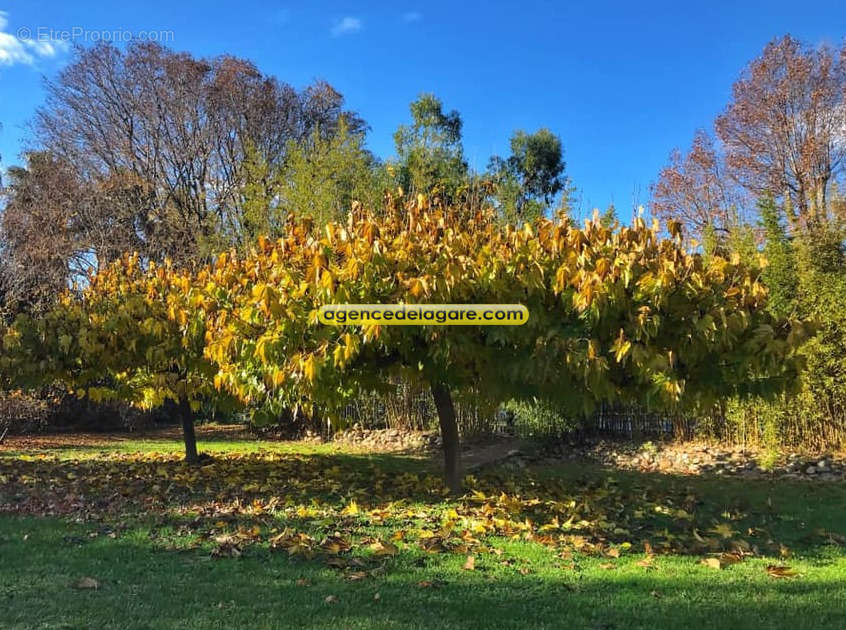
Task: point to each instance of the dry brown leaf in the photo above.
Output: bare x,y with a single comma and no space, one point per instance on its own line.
356,576
331,599
730,558
780,571
336,562
607,566
470,564
646,563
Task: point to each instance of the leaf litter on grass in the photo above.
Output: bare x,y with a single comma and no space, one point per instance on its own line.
331,509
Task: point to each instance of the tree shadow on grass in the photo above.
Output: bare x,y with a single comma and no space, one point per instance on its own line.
572,505
140,588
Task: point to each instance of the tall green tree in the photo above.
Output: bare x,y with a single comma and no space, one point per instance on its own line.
323,177
430,155
780,274
609,218
527,181
260,203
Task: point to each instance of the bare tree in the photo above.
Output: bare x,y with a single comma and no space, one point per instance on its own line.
144,150
39,247
166,135
784,128
694,189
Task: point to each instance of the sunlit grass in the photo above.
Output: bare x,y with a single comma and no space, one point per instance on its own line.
170,565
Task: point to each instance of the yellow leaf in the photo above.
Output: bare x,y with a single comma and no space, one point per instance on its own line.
723,529
384,549
351,509
780,572
712,563
310,368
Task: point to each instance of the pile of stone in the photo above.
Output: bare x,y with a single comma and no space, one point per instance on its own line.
698,458
389,439
684,458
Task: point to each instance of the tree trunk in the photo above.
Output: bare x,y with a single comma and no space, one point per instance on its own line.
449,436
187,417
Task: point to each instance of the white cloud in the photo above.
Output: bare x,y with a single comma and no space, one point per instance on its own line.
345,26
20,48
412,16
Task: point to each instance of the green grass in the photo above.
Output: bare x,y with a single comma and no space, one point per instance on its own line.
211,441
158,572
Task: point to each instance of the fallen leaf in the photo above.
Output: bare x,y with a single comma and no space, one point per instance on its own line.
713,563
723,529
356,576
384,549
646,563
331,599
730,558
86,583
351,509
780,571
470,564
336,562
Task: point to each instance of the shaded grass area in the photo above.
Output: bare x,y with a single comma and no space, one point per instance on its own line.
183,548
142,587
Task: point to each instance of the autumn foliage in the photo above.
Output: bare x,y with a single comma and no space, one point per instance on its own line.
616,314
133,333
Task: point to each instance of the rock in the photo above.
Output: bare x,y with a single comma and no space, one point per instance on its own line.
810,470
822,465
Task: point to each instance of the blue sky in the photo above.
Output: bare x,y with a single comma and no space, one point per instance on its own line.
622,83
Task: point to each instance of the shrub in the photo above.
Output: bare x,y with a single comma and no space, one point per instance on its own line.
541,419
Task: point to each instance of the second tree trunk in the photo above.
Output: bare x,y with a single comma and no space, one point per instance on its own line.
449,436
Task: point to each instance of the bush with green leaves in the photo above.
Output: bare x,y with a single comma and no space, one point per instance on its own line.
806,278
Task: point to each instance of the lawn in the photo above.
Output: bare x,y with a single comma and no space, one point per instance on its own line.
276,534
